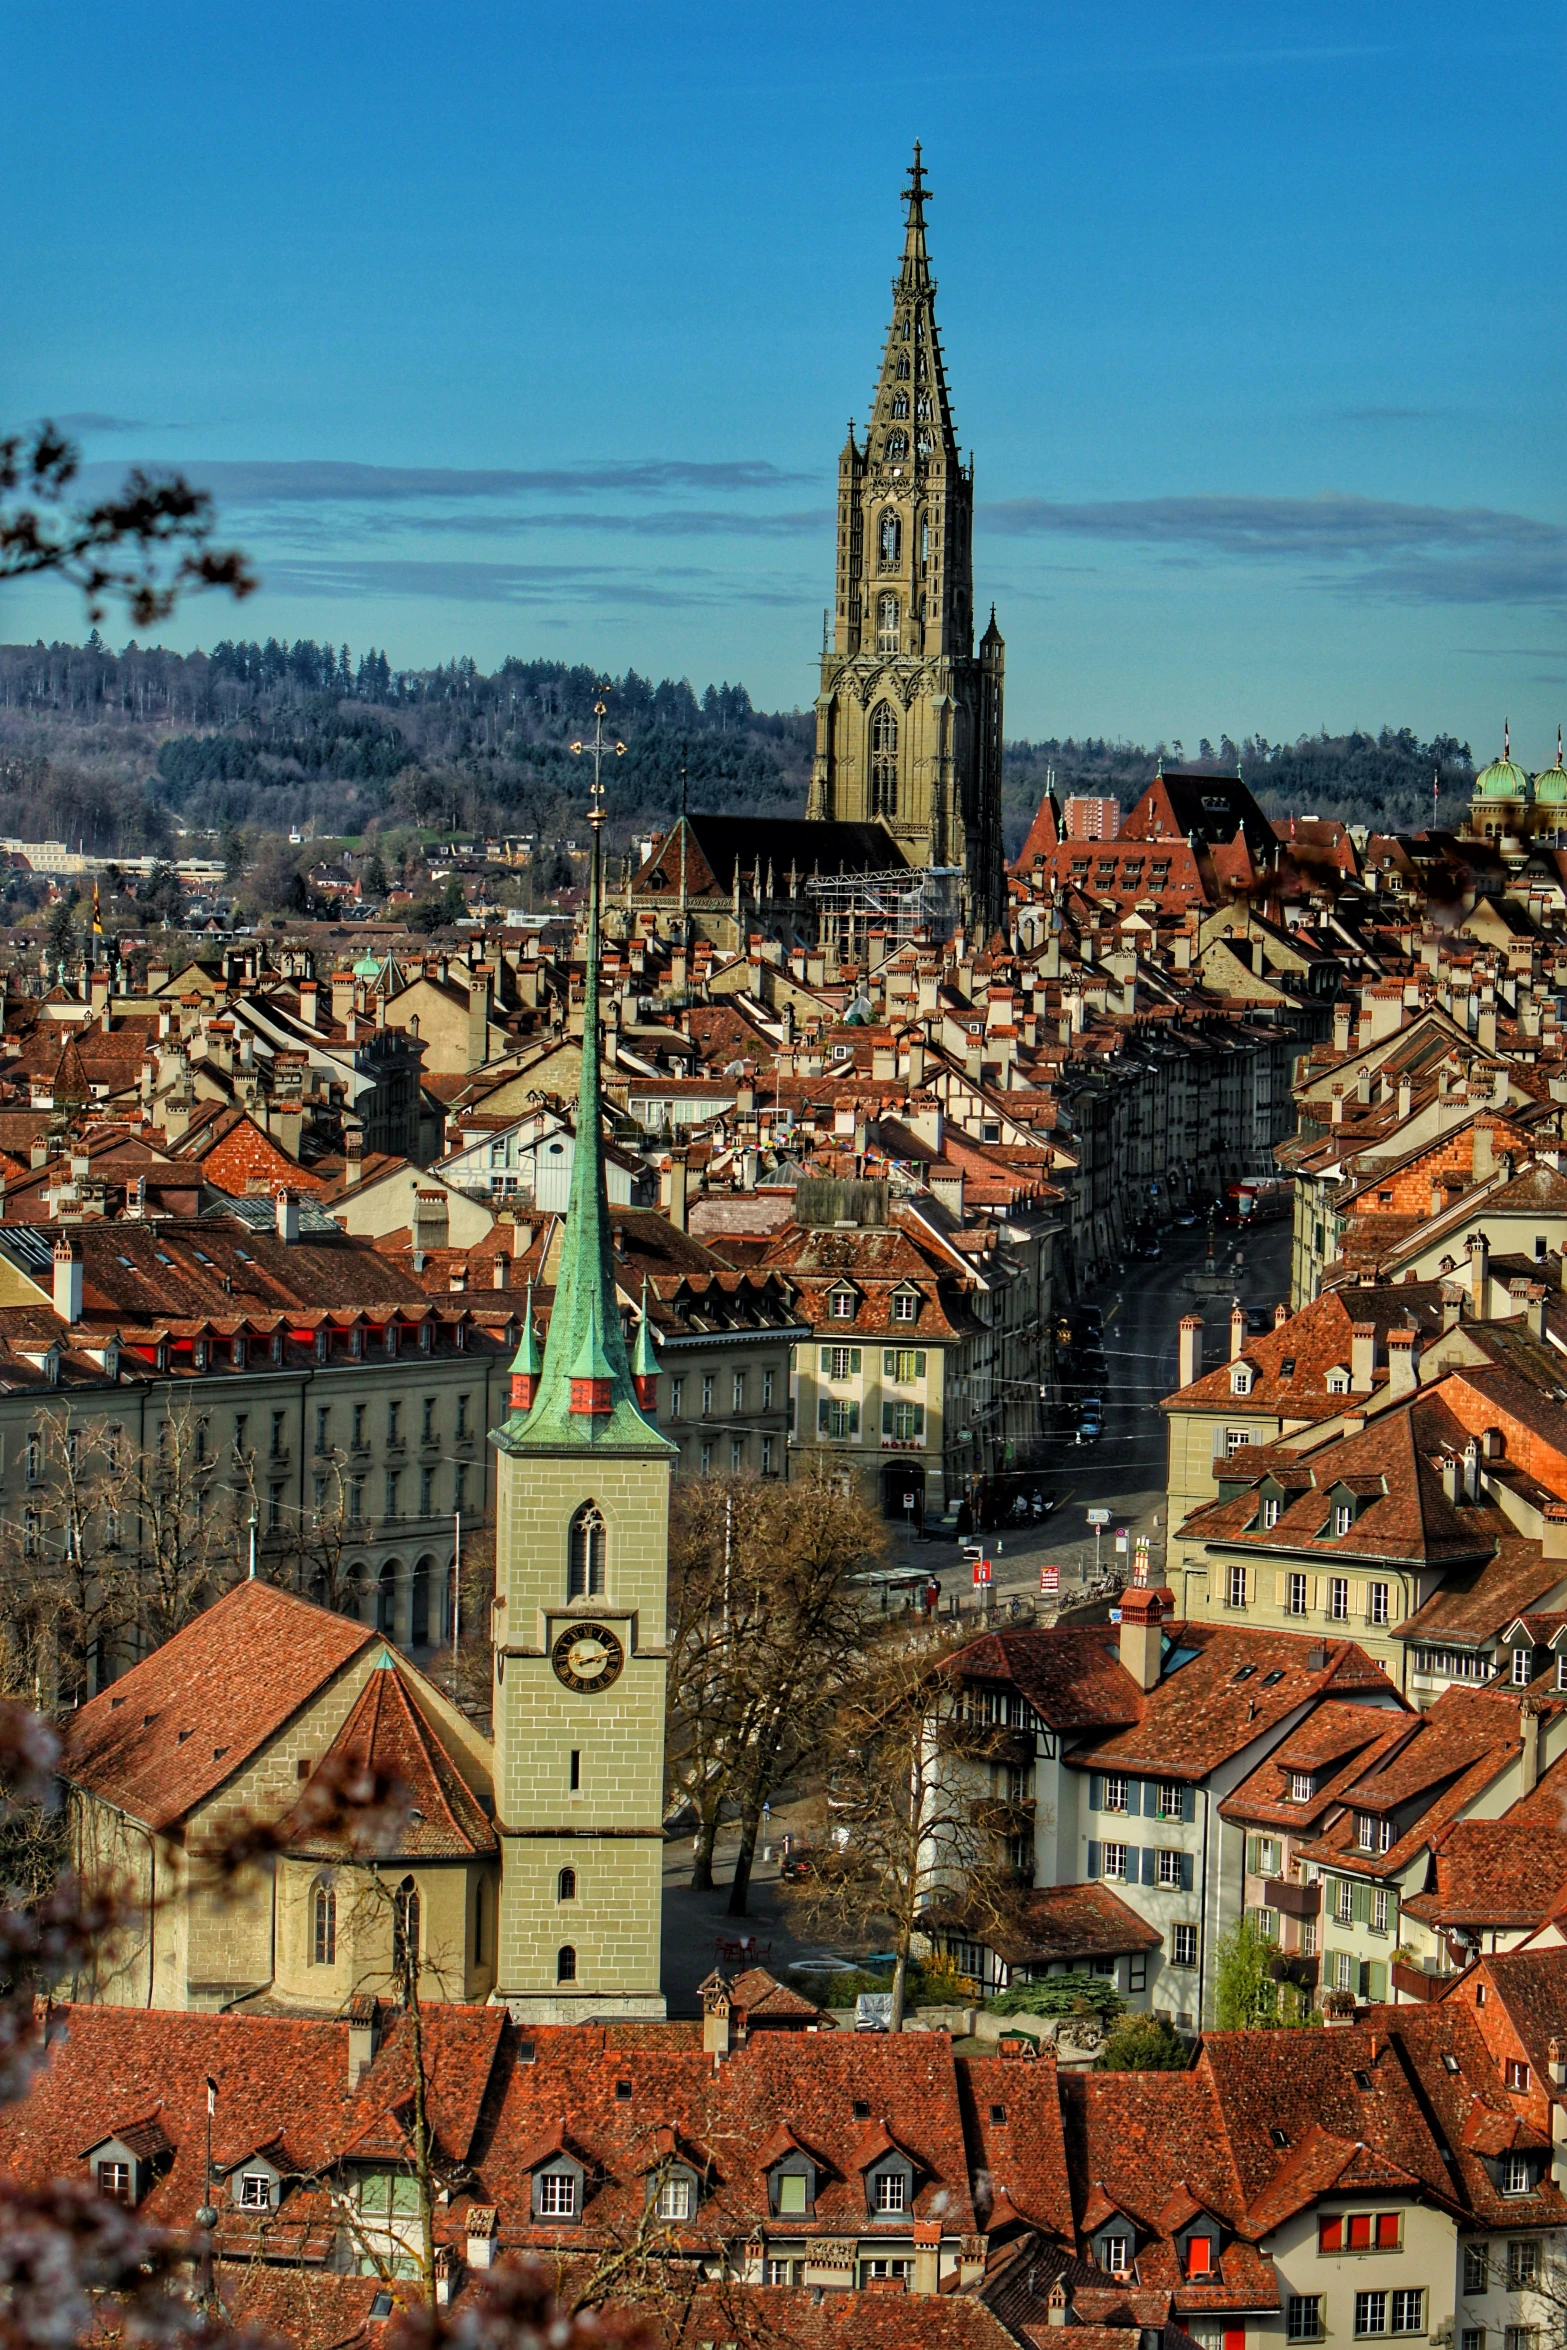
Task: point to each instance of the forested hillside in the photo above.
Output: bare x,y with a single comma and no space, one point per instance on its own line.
123,750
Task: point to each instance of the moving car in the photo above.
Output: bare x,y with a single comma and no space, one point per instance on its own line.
1091,1420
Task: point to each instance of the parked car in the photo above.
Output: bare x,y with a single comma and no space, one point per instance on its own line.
1090,1420
796,1866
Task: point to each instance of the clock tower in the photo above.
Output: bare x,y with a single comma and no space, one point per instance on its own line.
581,1571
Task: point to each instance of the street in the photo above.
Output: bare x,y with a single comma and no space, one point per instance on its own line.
1125,1471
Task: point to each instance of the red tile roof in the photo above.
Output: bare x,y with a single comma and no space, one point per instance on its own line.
192,1715
387,1736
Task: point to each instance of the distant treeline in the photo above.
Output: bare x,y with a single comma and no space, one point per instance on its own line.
124,750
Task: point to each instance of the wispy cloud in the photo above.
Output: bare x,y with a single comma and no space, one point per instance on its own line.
526,583
314,481
1375,547
94,420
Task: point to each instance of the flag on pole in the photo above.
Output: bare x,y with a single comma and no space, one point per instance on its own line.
97,913
212,2095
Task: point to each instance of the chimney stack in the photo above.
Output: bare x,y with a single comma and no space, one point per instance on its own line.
67,1281
1191,1349
1237,1330
1403,1375
1142,1642
679,1176
364,2035
1362,1357
1480,1274
287,1214
717,2006
1529,1733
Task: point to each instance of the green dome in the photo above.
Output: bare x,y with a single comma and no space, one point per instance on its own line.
1504,779
1550,785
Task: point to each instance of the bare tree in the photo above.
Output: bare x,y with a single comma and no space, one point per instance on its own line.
765,1621
69,1575
909,1818
146,545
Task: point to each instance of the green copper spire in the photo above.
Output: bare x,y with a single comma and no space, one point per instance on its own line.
585,1323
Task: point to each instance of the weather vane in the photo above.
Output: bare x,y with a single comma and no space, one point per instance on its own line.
598,747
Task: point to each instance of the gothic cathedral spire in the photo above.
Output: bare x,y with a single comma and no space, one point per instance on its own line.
582,1528
908,720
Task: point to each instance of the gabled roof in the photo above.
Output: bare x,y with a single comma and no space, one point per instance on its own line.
174,1728
387,1736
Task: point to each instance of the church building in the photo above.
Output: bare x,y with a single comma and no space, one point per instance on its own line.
908,720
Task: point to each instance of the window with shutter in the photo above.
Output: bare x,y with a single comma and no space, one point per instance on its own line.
1093,1857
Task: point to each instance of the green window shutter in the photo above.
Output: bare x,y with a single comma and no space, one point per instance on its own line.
821,1417
1375,1973
1096,1791
919,1419
886,1419
1360,1902
889,1363
919,1366
826,1359
854,1360
1254,1856
854,1419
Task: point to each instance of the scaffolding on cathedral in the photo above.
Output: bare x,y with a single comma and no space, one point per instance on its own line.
907,903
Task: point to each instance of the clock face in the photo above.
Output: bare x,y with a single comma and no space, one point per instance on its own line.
587,1656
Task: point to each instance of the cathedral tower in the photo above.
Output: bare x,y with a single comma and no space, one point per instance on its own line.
908,720
582,1525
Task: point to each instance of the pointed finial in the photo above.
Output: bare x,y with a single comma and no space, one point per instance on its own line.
644,1362
914,195
1507,738
1558,746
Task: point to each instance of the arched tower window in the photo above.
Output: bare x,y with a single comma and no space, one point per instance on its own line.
585,1567
900,404
566,1885
565,1964
323,1924
891,541
405,1935
887,625
897,447
884,761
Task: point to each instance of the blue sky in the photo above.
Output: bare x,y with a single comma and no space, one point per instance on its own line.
504,328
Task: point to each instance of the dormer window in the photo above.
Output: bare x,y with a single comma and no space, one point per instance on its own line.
1240,1378
905,1305
1300,1786
791,2187
889,2186
891,2193
1338,1381
841,1305
1113,2251
557,2189
255,2190
1201,2253
1343,1517
677,2195
1523,1667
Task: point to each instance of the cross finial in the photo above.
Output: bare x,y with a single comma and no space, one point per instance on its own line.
597,749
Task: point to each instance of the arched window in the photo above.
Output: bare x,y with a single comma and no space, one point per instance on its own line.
891,540
565,1964
924,538
385,1598
884,761
419,1607
897,447
405,1936
585,1568
566,1885
887,625
900,404
323,1924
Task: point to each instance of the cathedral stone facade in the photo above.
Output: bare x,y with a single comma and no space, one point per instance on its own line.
908,720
